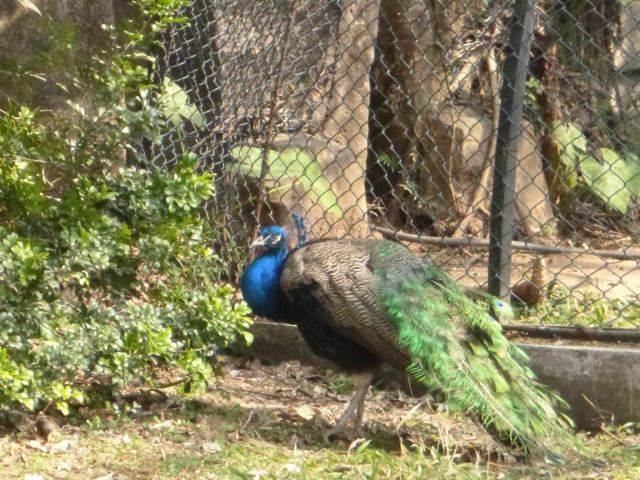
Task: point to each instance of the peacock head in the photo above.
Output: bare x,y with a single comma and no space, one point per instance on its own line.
272,238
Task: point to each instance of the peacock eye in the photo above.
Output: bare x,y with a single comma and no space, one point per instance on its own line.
274,238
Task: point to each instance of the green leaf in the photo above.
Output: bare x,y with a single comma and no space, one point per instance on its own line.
363,446
607,181
63,407
573,144
391,162
248,337
613,181
633,173
174,103
292,165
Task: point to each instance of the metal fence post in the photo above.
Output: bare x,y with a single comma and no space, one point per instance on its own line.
509,133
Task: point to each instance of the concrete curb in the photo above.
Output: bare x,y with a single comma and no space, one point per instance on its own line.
600,384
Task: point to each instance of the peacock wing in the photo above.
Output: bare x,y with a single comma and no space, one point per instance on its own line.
337,275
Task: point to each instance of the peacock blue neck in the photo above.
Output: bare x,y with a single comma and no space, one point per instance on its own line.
260,283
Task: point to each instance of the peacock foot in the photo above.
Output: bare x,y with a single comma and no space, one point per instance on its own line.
353,413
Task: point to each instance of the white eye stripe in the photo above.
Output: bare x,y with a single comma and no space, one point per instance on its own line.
274,237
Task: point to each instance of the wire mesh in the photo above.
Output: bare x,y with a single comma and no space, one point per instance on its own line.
373,117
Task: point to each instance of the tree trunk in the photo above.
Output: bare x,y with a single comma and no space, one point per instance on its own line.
347,122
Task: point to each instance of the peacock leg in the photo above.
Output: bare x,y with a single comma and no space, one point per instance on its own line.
355,405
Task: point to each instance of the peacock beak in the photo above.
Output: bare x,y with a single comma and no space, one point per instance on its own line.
259,242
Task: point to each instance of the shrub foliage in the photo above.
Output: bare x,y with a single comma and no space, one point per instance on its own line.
106,264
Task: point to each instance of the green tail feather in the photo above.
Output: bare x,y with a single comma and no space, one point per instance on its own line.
457,348
500,310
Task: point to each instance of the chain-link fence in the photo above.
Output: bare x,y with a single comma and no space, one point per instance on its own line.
373,117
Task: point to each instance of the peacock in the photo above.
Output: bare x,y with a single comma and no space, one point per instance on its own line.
361,303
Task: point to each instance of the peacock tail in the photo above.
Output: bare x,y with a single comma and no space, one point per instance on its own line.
457,348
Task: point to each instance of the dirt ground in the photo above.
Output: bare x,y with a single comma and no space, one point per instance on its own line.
578,273
312,398
266,422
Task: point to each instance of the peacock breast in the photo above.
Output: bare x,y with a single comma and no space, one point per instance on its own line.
260,286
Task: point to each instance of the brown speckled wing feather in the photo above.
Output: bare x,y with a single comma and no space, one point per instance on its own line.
338,275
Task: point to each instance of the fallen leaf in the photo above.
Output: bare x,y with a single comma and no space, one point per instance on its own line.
165,424
60,446
36,445
306,412
108,476
319,391
210,447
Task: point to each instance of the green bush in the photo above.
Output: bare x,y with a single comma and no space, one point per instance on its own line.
106,265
